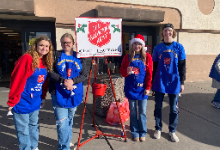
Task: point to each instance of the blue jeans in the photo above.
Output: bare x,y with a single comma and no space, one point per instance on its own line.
217,96
173,118
64,122
27,130
138,125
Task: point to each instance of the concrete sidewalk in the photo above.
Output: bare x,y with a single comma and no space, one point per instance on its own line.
198,128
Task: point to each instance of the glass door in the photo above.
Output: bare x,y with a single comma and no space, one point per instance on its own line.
30,34
33,35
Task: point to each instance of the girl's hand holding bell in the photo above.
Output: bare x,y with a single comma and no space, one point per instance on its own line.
129,70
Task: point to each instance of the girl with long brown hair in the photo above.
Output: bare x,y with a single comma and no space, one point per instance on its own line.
27,89
137,69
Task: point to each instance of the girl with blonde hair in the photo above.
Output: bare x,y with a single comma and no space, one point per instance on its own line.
27,89
137,67
66,88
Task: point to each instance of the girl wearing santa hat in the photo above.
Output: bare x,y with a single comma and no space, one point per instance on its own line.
137,69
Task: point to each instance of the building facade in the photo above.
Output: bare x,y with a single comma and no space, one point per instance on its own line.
196,21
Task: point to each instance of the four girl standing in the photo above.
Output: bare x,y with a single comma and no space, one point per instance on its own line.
66,86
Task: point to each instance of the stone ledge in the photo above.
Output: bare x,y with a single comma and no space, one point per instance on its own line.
130,14
15,7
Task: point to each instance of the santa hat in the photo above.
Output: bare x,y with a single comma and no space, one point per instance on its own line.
138,38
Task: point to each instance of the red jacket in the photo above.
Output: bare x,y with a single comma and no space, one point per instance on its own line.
19,76
148,69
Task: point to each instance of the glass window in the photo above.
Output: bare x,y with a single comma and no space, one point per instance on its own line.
34,35
145,38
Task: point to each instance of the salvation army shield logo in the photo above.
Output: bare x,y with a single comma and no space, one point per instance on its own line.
69,71
167,61
99,33
40,78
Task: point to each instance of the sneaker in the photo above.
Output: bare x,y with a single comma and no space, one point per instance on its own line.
216,104
157,134
174,138
36,148
72,146
136,139
142,139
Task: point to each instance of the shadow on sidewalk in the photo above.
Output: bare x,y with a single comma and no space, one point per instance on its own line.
47,125
198,119
8,134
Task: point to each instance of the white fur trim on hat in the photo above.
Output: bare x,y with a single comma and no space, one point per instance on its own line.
137,40
145,48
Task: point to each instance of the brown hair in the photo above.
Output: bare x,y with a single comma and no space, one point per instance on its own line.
68,35
46,59
132,54
174,34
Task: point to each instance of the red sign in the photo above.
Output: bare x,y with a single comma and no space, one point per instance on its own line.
149,49
99,33
40,78
167,61
69,71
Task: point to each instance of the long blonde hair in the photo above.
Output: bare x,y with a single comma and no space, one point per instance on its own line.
132,54
46,59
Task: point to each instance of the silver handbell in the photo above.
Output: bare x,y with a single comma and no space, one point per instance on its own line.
9,113
73,93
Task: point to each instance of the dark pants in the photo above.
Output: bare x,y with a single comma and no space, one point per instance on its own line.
217,96
173,118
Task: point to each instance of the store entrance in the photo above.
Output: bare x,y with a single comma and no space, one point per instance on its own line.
10,49
150,33
16,37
